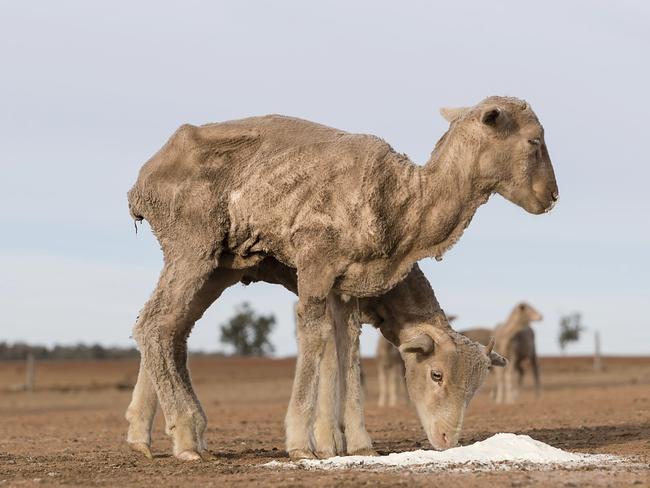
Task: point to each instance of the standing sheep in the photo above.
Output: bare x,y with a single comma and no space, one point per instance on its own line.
516,341
346,211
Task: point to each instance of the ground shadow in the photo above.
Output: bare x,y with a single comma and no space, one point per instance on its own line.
257,453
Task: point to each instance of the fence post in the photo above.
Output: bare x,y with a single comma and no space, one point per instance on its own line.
29,379
598,365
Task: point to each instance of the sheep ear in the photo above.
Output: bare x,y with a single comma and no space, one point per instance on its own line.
497,359
490,346
453,114
490,116
422,344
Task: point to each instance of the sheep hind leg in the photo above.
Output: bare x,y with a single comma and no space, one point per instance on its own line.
535,367
520,374
327,436
185,290
141,413
402,383
348,329
382,381
142,409
393,385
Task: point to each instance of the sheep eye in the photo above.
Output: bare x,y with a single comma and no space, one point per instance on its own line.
534,142
436,376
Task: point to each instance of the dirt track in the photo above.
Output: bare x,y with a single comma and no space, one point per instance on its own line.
72,429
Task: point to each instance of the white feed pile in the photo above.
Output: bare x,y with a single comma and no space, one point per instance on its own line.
499,449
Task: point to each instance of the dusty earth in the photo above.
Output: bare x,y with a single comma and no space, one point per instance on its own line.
71,430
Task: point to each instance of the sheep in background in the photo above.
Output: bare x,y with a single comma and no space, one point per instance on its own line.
515,340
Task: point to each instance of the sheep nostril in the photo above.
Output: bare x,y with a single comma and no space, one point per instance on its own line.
555,195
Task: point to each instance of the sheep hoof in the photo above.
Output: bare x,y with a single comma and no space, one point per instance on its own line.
142,448
189,455
298,454
366,451
207,455
328,453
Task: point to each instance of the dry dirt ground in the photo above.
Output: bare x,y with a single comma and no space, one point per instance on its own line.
71,430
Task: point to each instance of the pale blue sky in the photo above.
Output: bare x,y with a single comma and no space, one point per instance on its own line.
89,91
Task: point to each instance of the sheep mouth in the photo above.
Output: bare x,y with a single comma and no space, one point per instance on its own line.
544,204
551,206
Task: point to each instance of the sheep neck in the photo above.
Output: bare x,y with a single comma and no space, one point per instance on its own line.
516,322
449,191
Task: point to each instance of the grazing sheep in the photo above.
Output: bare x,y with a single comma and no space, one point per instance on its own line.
408,311
346,211
516,341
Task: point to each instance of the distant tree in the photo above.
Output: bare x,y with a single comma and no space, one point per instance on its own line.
248,333
570,329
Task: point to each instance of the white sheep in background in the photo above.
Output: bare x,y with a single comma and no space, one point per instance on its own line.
515,340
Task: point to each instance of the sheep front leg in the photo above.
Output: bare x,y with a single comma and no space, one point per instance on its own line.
348,328
328,438
510,380
314,328
499,386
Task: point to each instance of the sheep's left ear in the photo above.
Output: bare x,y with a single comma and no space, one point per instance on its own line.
422,344
453,114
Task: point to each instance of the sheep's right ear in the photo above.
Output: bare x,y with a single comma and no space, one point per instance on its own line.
497,359
453,114
422,344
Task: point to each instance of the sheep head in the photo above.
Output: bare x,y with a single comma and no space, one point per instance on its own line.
510,155
443,371
528,313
